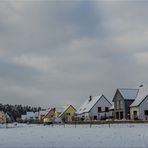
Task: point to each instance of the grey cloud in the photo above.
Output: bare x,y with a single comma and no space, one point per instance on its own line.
54,53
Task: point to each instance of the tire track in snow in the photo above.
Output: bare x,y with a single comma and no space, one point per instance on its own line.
144,138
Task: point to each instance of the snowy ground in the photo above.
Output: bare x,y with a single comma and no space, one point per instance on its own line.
118,135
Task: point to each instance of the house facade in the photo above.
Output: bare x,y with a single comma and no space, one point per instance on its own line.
111,110
94,108
122,100
66,113
139,108
49,116
30,116
41,115
2,117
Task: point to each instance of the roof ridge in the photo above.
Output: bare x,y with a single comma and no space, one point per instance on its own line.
87,105
93,97
129,88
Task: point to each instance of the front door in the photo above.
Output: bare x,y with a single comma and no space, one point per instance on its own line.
135,115
117,115
121,115
95,117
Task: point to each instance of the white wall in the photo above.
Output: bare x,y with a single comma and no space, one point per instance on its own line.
85,115
24,117
140,110
101,103
132,109
143,106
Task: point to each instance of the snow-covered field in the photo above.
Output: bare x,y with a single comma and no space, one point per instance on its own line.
118,135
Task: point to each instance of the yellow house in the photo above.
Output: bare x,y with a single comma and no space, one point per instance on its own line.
66,113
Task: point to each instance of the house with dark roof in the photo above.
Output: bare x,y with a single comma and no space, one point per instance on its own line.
122,99
139,108
94,108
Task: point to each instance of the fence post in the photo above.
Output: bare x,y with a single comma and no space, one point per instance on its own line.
109,124
90,123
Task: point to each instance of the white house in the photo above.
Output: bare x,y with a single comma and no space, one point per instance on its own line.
30,116
139,108
94,108
24,117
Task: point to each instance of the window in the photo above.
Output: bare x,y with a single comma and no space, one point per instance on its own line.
146,112
135,113
99,109
121,104
121,115
117,115
106,109
95,117
117,104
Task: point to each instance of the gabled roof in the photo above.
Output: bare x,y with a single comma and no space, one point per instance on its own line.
63,109
128,94
88,104
48,111
142,94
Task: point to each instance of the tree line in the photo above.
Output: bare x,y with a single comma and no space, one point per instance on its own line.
15,111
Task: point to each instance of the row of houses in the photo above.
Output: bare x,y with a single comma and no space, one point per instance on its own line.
126,104
57,115
131,104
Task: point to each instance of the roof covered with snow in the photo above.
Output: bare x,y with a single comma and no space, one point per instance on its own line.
48,110
30,114
62,108
88,104
128,94
140,97
42,112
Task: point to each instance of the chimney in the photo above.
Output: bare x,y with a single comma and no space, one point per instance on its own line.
90,98
141,86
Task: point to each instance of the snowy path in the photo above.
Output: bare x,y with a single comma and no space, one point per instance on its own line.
122,135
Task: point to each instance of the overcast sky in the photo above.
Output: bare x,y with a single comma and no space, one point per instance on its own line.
54,53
